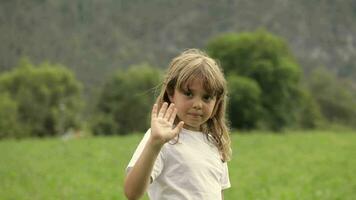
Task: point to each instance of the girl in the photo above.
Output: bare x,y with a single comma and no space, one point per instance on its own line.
184,154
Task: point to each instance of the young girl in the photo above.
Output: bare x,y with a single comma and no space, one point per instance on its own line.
184,154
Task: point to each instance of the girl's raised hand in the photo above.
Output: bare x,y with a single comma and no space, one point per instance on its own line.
162,129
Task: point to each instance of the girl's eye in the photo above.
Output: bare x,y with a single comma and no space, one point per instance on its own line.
188,93
207,97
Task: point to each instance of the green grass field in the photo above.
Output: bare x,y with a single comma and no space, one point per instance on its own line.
292,166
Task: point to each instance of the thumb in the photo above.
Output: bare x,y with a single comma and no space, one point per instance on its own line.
179,127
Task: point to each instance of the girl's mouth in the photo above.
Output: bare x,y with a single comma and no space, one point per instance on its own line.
194,114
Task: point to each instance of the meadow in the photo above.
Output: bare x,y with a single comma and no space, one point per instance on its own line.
312,165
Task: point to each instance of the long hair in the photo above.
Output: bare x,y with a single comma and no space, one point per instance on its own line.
194,64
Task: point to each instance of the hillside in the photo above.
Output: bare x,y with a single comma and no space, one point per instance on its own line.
95,37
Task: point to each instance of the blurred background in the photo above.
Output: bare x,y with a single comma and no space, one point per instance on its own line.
75,69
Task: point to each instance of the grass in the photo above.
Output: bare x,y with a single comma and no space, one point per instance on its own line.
310,165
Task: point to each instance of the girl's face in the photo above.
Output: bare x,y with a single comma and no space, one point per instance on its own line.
195,106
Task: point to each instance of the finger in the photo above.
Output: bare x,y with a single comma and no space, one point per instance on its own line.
169,112
173,115
163,110
178,128
154,111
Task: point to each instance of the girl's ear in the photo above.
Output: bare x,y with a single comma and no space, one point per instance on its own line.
170,98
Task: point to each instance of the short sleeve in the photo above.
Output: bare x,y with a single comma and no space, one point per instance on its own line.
225,180
158,166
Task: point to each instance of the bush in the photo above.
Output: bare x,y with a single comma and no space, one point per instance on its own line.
47,98
126,101
266,59
335,97
8,117
309,114
244,108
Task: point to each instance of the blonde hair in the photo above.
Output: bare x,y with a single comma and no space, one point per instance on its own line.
194,64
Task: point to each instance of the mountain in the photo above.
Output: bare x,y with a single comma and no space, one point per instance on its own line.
95,37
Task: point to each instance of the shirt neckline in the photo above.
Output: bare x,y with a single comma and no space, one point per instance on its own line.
190,131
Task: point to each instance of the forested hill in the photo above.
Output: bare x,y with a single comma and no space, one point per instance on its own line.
95,37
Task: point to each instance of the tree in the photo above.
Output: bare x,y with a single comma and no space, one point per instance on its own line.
244,108
48,97
126,101
335,97
8,117
266,59
309,113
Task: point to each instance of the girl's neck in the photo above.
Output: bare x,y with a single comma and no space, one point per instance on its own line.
195,129
190,130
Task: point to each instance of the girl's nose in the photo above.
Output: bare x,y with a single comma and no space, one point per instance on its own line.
197,104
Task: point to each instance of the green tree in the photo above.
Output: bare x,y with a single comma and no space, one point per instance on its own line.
8,117
309,113
335,97
48,97
126,101
244,108
266,59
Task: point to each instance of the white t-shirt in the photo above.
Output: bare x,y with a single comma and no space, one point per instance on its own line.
188,170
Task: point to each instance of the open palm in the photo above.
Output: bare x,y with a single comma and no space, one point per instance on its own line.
162,120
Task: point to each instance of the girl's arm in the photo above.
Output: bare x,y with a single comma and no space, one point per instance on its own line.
162,131
138,177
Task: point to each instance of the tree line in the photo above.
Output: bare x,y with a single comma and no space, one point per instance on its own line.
267,90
